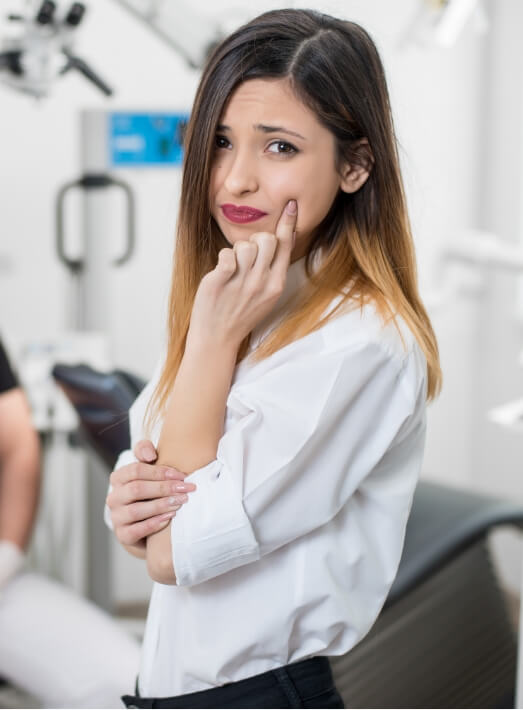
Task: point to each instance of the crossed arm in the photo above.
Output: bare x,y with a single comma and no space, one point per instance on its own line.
192,428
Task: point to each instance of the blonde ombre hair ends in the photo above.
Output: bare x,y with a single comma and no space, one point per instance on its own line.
335,70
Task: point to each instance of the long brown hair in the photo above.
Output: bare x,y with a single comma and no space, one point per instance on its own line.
335,70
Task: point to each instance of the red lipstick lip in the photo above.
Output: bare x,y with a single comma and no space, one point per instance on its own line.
240,214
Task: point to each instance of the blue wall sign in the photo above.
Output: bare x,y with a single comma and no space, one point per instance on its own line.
146,139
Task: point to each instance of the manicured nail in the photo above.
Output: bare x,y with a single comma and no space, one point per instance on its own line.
184,487
171,473
291,207
148,455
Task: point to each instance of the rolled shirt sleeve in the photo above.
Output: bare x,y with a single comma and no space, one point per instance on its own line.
299,440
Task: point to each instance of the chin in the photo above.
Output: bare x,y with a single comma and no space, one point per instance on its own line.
235,234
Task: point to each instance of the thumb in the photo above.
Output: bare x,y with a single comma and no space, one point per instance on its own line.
145,451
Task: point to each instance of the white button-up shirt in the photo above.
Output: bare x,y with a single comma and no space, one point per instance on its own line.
290,543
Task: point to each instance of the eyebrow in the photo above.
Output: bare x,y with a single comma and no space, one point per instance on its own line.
267,129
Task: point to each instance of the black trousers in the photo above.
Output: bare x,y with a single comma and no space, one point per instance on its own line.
305,684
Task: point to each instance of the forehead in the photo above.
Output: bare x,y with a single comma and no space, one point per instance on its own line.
267,101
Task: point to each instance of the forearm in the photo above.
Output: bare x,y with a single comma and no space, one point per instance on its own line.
194,419
137,550
192,428
19,491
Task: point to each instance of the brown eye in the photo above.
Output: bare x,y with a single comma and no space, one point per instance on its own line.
282,147
221,142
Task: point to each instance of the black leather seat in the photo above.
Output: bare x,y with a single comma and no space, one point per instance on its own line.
102,401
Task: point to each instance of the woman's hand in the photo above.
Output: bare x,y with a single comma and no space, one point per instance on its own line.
245,284
144,496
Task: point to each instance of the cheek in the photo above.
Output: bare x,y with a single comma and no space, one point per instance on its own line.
283,185
214,181
315,205
314,192
215,185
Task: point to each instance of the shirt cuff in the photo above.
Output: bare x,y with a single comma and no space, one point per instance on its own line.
211,534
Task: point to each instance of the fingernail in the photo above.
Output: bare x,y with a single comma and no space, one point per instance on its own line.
291,207
148,455
166,516
170,473
184,487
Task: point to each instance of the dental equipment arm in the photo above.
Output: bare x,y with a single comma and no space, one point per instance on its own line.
190,34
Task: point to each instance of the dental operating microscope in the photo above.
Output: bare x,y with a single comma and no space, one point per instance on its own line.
39,49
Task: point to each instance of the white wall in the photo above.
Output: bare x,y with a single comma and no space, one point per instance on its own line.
40,149
496,453
451,113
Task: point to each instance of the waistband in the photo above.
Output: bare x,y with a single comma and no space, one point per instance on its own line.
297,680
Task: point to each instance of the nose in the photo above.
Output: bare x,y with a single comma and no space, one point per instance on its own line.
241,177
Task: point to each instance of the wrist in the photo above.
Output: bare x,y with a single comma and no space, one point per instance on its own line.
137,549
212,345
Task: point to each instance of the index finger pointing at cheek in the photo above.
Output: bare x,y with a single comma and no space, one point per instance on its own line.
287,222
285,235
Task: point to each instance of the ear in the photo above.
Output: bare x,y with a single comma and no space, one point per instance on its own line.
355,174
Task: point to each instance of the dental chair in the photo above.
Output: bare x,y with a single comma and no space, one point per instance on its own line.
444,638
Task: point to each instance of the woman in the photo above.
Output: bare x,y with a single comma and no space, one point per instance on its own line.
293,392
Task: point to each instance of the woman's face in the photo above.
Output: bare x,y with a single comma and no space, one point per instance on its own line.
271,148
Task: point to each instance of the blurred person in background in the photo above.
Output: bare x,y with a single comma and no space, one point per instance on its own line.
54,645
